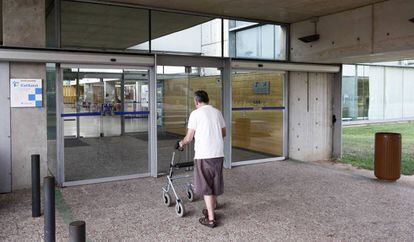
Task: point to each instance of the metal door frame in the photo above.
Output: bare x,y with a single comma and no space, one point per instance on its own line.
223,64
5,130
60,126
285,118
286,67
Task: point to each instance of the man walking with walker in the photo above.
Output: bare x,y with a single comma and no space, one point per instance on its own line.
206,125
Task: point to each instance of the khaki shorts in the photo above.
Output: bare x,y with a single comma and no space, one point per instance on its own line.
208,176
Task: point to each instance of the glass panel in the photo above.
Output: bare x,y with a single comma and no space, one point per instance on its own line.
190,34
90,105
280,42
175,90
172,88
267,39
50,24
99,26
355,93
239,24
70,80
247,43
349,98
136,101
51,118
106,129
251,40
257,115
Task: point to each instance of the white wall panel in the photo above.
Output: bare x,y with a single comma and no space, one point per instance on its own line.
408,93
393,93
376,93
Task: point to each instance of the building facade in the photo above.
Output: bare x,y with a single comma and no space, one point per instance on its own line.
378,92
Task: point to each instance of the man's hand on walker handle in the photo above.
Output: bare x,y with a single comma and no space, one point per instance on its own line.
179,146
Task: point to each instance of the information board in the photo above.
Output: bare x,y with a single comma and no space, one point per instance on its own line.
261,87
26,93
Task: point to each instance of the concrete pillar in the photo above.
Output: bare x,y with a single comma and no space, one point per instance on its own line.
310,116
24,25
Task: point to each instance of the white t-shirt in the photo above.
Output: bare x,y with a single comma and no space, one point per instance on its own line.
207,122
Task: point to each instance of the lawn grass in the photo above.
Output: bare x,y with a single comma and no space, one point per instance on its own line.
358,144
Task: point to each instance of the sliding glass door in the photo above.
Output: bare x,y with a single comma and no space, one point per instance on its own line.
175,88
105,123
258,110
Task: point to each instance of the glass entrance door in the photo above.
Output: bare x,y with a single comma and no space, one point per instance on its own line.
105,123
136,103
258,116
175,88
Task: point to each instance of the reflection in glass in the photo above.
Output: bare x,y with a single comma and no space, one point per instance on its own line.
261,41
51,118
100,26
355,93
190,34
175,103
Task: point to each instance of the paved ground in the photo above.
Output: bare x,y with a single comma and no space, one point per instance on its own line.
90,158
285,200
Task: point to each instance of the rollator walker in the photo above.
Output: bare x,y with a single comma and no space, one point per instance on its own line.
172,183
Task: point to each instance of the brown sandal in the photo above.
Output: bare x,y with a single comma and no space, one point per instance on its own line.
205,213
206,222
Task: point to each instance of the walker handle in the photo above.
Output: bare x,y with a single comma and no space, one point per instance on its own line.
177,146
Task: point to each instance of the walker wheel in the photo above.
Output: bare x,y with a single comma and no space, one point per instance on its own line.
179,209
167,198
190,194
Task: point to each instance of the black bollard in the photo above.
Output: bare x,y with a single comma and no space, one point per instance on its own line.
50,226
77,231
36,186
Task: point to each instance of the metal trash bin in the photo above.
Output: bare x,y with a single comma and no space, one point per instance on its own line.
387,160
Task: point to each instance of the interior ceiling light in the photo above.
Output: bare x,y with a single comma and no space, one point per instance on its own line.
313,37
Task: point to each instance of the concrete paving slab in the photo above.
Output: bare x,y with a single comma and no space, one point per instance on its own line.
285,200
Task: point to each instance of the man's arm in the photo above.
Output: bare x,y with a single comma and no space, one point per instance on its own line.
223,132
188,138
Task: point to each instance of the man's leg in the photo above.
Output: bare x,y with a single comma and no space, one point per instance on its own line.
214,201
209,200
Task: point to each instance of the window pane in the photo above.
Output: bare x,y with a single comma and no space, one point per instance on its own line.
50,24
251,40
193,35
98,26
247,43
267,41
239,24
280,43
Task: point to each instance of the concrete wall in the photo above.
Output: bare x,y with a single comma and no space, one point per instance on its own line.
310,116
24,25
377,32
